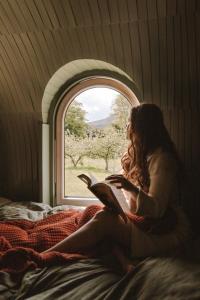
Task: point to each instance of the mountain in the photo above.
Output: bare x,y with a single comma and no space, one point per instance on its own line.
102,123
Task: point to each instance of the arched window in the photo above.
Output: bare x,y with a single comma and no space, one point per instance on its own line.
89,135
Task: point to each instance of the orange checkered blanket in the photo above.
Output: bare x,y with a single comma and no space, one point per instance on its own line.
21,241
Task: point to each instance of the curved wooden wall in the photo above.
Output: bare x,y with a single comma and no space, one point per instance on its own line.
156,42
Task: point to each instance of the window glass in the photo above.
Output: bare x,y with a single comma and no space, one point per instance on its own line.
94,137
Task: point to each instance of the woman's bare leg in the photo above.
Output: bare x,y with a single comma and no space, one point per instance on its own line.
105,224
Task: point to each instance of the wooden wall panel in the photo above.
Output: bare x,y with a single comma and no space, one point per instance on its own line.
163,61
127,49
136,56
20,150
170,62
178,63
146,60
157,42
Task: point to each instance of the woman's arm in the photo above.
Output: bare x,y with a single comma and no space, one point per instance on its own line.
163,183
163,173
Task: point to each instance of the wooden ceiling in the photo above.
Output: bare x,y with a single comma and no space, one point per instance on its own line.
154,41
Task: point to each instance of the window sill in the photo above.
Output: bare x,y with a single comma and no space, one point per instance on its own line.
79,201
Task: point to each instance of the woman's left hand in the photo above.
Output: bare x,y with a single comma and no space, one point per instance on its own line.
122,183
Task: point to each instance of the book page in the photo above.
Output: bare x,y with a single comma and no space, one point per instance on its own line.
89,180
111,197
120,197
93,179
105,194
108,194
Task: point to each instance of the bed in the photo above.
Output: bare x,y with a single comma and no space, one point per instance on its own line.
91,277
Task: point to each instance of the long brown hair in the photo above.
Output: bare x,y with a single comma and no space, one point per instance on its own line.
147,132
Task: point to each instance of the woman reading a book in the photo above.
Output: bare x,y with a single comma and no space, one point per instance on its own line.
149,179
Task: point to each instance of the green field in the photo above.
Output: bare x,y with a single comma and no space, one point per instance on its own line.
75,187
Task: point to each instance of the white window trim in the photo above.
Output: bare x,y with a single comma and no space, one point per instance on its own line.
91,82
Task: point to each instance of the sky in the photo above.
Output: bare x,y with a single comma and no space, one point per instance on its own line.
97,102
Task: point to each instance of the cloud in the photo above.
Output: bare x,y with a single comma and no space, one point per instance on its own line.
97,102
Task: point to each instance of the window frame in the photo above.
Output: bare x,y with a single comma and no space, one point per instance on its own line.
68,98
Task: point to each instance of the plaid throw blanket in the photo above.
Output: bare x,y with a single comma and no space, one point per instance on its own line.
21,241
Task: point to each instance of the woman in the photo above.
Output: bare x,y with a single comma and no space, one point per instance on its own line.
149,181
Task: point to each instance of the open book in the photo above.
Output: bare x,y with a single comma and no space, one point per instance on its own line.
108,194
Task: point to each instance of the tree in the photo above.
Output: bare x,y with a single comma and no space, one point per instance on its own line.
121,109
109,146
77,148
75,122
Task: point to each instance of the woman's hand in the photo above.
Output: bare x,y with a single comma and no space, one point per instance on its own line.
122,183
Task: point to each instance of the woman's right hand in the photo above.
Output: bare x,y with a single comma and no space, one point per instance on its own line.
122,183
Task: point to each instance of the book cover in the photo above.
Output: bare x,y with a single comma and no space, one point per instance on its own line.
108,194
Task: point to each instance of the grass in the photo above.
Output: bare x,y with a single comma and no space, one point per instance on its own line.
75,187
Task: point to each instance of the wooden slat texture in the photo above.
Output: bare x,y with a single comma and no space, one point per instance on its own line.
108,38
171,60
100,42
197,44
123,11
83,41
155,60
162,8
77,12
152,10
185,66
29,19
86,13
22,67
34,12
52,13
49,51
117,44
59,13
181,7
33,57
190,6
133,10
114,11
171,7
54,50
188,136
195,140
142,10
33,15
12,75
6,18
71,18
90,36
126,44
75,41
104,11
9,11
94,10
7,98
163,61
146,60
137,58
69,48
192,61
45,51
178,63
181,143
43,14
60,46
41,56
